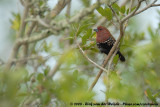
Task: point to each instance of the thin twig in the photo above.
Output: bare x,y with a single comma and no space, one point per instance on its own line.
124,3
43,23
68,13
100,22
155,5
30,58
54,70
33,38
132,13
114,2
114,25
130,8
151,5
54,29
81,14
110,6
98,66
131,5
84,12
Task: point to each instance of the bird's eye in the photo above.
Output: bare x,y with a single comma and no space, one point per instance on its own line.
100,29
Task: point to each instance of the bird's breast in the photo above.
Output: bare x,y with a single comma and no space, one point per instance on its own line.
101,39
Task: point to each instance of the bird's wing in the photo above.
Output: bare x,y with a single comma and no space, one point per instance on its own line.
110,41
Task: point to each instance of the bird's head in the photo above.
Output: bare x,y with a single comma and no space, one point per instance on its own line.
100,29
102,34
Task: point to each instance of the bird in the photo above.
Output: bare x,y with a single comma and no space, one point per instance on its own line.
105,41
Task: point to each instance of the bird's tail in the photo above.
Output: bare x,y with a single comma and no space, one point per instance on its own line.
121,57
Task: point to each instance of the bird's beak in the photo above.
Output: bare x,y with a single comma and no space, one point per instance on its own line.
95,30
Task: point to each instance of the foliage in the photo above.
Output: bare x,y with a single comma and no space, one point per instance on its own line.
105,12
135,81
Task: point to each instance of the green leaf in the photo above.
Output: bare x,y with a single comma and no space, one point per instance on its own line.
127,11
71,89
16,22
133,8
75,73
101,11
108,14
93,34
123,8
45,47
115,59
116,8
156,95
83,28
23,94
40,77
41,3
86,36
149,95
47,69
45,98
151,33
105,12
86,3
54,53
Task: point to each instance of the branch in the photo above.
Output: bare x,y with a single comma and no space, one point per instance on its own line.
55,28
112,59
151,5
91,60
25,47
114,13
32,39
132,13
84,12
130,8
23,22
100,22
22,2
124,3
135,12
30,58
26,4
110,6
59,7
79,16
114,2
115,45
66,23
131,5
155,5
22,41
104,64
54,70
68,11
42,22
